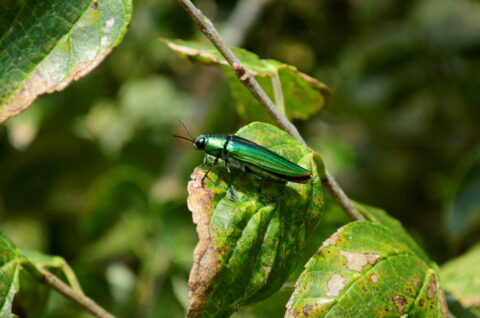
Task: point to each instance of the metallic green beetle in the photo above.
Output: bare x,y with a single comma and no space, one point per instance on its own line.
248,156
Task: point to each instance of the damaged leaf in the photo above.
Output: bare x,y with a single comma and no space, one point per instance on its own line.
303,95
379,216
45,45
367,268
251,231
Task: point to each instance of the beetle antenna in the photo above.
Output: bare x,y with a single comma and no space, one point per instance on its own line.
186,129
184,138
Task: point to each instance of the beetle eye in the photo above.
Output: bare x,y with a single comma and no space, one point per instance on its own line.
200,143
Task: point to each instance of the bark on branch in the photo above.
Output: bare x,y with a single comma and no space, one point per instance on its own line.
249,81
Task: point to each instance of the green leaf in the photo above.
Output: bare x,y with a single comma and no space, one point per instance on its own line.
303,95
10,259
367,268
55,264
379,216
21,280
45,45
250,240
461,277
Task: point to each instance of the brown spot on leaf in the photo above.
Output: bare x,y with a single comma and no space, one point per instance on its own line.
416,281
306,309
421,302
332,240
94,6
400,302
432,287
443,303
357,261
205,255
335,285
374,278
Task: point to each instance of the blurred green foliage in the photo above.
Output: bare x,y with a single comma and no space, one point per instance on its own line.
92,173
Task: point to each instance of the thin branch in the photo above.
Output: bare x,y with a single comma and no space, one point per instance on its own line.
80,299
207,28
338,195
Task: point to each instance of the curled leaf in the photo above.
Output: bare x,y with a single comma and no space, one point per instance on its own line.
303,95
251,231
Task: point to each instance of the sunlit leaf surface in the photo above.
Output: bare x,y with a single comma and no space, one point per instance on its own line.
461,277
250,238
368,267
45,45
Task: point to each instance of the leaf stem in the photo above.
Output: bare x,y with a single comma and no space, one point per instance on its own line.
80,299
207,28
278,93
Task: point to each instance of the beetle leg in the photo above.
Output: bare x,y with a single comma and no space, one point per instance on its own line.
230,194
226,165
205,160
225,154
206,174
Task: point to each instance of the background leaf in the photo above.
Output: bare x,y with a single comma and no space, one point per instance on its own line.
250,241
366,263
303,95
45,45
21,289
461,277
463,216
54,264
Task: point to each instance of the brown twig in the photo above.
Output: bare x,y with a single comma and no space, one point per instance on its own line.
207,28
80,299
